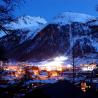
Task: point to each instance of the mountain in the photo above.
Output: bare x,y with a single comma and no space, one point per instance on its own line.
70,17
67,32
26,22
26,26
70,34
22,29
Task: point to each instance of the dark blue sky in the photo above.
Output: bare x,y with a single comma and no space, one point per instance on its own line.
50,8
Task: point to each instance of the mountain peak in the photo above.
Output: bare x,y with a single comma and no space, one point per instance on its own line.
26,22
29,19
69,17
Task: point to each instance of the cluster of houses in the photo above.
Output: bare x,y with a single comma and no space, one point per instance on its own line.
11,72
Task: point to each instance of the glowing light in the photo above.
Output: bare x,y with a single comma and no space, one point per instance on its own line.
83,86
61,58
69,65
54,64
54,74
88,67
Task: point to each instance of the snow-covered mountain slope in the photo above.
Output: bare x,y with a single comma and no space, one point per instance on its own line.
26,22
2,34
69,17
56,39
67,32
27,25
21,30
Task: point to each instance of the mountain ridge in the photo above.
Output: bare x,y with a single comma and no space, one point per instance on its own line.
56,39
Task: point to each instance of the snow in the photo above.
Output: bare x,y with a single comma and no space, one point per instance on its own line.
42,81
69,17
2,34
94,23
87,59
8,78
26,22
95,44
32,25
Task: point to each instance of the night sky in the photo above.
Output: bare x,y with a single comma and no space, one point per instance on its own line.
50,8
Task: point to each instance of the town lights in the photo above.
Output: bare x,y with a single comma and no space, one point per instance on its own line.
61,58
88,67
55,63
69,66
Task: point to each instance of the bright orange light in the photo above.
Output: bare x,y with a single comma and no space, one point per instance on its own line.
54,74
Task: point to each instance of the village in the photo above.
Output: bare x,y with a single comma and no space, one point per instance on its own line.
28,76
52,71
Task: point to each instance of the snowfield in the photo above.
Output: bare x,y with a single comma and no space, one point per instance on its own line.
69,17
26,22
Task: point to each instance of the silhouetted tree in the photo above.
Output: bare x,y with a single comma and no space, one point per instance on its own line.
6,12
